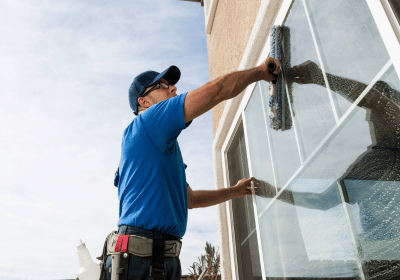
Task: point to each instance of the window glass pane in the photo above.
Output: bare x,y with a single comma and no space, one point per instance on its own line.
283,146
302,242
372,183
340,217
242,210
308,220
350,44
250,259
313,114
260,157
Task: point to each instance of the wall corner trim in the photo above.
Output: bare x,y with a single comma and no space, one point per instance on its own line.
210,9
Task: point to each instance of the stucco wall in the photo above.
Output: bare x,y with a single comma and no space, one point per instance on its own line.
233,23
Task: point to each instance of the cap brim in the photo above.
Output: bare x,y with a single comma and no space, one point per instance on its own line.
172,75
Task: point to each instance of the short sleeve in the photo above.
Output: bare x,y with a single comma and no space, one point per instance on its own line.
164,122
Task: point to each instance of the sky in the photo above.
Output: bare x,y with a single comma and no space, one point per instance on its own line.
65,73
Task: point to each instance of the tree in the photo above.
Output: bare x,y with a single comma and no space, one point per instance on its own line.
209,262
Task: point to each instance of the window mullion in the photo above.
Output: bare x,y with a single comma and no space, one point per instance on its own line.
257,228
388,35
334,109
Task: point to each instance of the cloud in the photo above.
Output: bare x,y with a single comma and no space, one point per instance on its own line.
66,70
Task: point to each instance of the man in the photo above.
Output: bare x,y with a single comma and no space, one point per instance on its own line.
152,189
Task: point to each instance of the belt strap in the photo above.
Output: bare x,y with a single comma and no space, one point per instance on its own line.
122,242
142,247
157,260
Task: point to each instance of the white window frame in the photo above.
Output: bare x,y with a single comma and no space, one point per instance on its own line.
389,36
210,7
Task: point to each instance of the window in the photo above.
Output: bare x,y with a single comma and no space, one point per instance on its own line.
242,211
328,199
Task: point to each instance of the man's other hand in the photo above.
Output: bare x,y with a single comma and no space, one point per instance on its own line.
243,187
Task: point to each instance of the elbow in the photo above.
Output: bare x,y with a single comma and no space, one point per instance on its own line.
191,204
220,92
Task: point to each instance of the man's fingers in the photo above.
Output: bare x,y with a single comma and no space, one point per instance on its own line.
244,180
277,70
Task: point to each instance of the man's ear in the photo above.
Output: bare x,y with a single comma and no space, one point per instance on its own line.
143,102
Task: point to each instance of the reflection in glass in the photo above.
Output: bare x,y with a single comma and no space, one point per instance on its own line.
242,211
306,242
313,114
362,163
348,39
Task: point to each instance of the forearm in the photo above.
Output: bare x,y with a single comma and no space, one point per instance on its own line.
210,198
230,85
204,98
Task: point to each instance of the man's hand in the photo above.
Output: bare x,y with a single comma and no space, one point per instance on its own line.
243,187
264,66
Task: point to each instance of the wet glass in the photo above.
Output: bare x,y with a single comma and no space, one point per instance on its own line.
283,146
372,183
308,221
312,108
340,216
256,126
302,242
350,44
242,210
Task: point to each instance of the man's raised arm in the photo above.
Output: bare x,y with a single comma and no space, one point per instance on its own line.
204,98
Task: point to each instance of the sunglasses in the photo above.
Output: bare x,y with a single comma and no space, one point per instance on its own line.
156,86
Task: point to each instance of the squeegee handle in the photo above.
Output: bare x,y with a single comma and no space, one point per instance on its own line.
271,69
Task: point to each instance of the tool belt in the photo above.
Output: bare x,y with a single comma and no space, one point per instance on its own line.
143,247
120,247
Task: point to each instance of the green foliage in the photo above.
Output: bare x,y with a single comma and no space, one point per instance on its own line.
210,262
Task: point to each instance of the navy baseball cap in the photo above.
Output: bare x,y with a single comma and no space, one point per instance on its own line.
149,78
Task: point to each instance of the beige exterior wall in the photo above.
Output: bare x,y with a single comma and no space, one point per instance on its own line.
233,23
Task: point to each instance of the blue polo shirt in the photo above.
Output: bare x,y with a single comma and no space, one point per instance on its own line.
152,187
